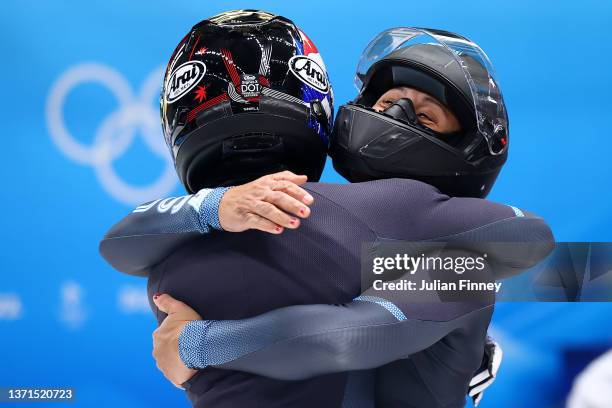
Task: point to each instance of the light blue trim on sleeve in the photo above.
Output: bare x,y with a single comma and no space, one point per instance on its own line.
517,211
190,342
394,310
209,209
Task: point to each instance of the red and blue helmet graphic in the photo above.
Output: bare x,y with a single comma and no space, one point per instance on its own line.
308,65
237,57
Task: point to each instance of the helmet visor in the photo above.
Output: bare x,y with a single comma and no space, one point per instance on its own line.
491,117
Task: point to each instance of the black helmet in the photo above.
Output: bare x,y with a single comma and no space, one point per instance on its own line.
367,145
245,93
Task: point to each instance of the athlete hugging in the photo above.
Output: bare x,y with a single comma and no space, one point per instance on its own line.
257,287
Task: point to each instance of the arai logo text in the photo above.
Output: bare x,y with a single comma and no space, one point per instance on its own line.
183,79
310,72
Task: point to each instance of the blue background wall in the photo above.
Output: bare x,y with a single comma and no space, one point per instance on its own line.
68,319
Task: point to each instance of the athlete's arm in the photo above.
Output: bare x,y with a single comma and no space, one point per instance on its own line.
512,243
408,210
303,341
153,230
363,334
299,342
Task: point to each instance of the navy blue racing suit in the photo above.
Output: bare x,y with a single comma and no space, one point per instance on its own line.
285,317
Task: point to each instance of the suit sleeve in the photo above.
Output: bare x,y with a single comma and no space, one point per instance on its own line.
150,232
299,342
303,341
513,242
408,210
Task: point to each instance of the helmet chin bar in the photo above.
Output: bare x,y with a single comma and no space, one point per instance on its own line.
234,148
368,145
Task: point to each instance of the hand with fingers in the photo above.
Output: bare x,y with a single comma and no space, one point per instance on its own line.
166,339
270,204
